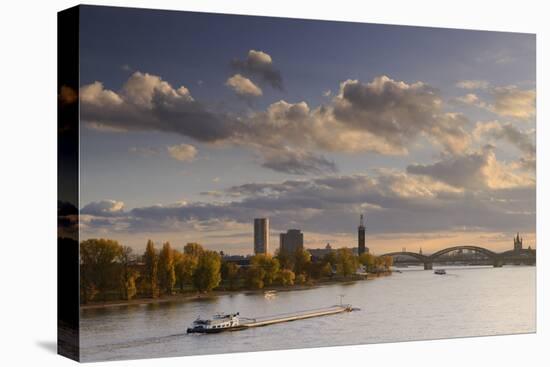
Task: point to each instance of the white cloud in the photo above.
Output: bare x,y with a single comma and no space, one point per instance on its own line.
396,202
182,152
513,102
147,103
474,171
104,208
243,86
259,64
95,95
509,101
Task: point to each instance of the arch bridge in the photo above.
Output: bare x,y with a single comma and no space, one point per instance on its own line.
428,260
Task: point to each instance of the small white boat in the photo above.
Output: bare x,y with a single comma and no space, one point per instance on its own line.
219,322
440,272
270,294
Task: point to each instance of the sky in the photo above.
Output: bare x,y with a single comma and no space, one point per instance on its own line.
193,124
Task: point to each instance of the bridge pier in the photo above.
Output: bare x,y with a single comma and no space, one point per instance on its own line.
428,265
497,262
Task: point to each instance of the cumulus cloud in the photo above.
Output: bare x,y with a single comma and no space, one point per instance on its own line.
524,141
398,112
260,65
296,125
244,87
182,152
514,102
296,162
148,103
396,202
509,101
474,171
104,208
383,116
506,131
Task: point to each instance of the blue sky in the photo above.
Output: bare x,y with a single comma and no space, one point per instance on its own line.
418,106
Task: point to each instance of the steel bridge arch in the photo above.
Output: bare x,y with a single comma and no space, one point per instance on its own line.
417,256
490,254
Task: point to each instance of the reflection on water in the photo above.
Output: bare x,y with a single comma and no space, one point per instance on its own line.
411,305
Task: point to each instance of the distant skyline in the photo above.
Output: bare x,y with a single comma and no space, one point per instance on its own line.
194,124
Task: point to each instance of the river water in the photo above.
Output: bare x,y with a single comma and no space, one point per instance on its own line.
412,305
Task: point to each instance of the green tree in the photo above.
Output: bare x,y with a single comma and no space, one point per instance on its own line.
98,267
150,258
207,275
166,269
287,277
346,264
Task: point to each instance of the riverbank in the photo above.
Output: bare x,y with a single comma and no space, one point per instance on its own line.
192,296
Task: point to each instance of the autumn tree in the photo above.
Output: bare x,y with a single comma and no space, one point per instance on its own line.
128,275
150,258
302,259
368,261
286,259
207,275
255,277
185,268
268,264
346,262
330,258
230,273
98,267
166,269
300,279
193,249
286,277
388,261
318,270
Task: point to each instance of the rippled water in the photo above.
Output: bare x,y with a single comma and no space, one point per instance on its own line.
412,305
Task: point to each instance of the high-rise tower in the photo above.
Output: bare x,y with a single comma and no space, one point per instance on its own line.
261,236
361,249
291,241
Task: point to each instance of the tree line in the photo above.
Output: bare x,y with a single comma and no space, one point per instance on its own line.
110,271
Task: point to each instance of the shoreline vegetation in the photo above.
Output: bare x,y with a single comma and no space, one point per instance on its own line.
194,296
112,275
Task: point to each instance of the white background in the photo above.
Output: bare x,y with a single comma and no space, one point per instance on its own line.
29,195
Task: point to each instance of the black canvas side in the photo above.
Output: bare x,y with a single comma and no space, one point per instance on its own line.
68,183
